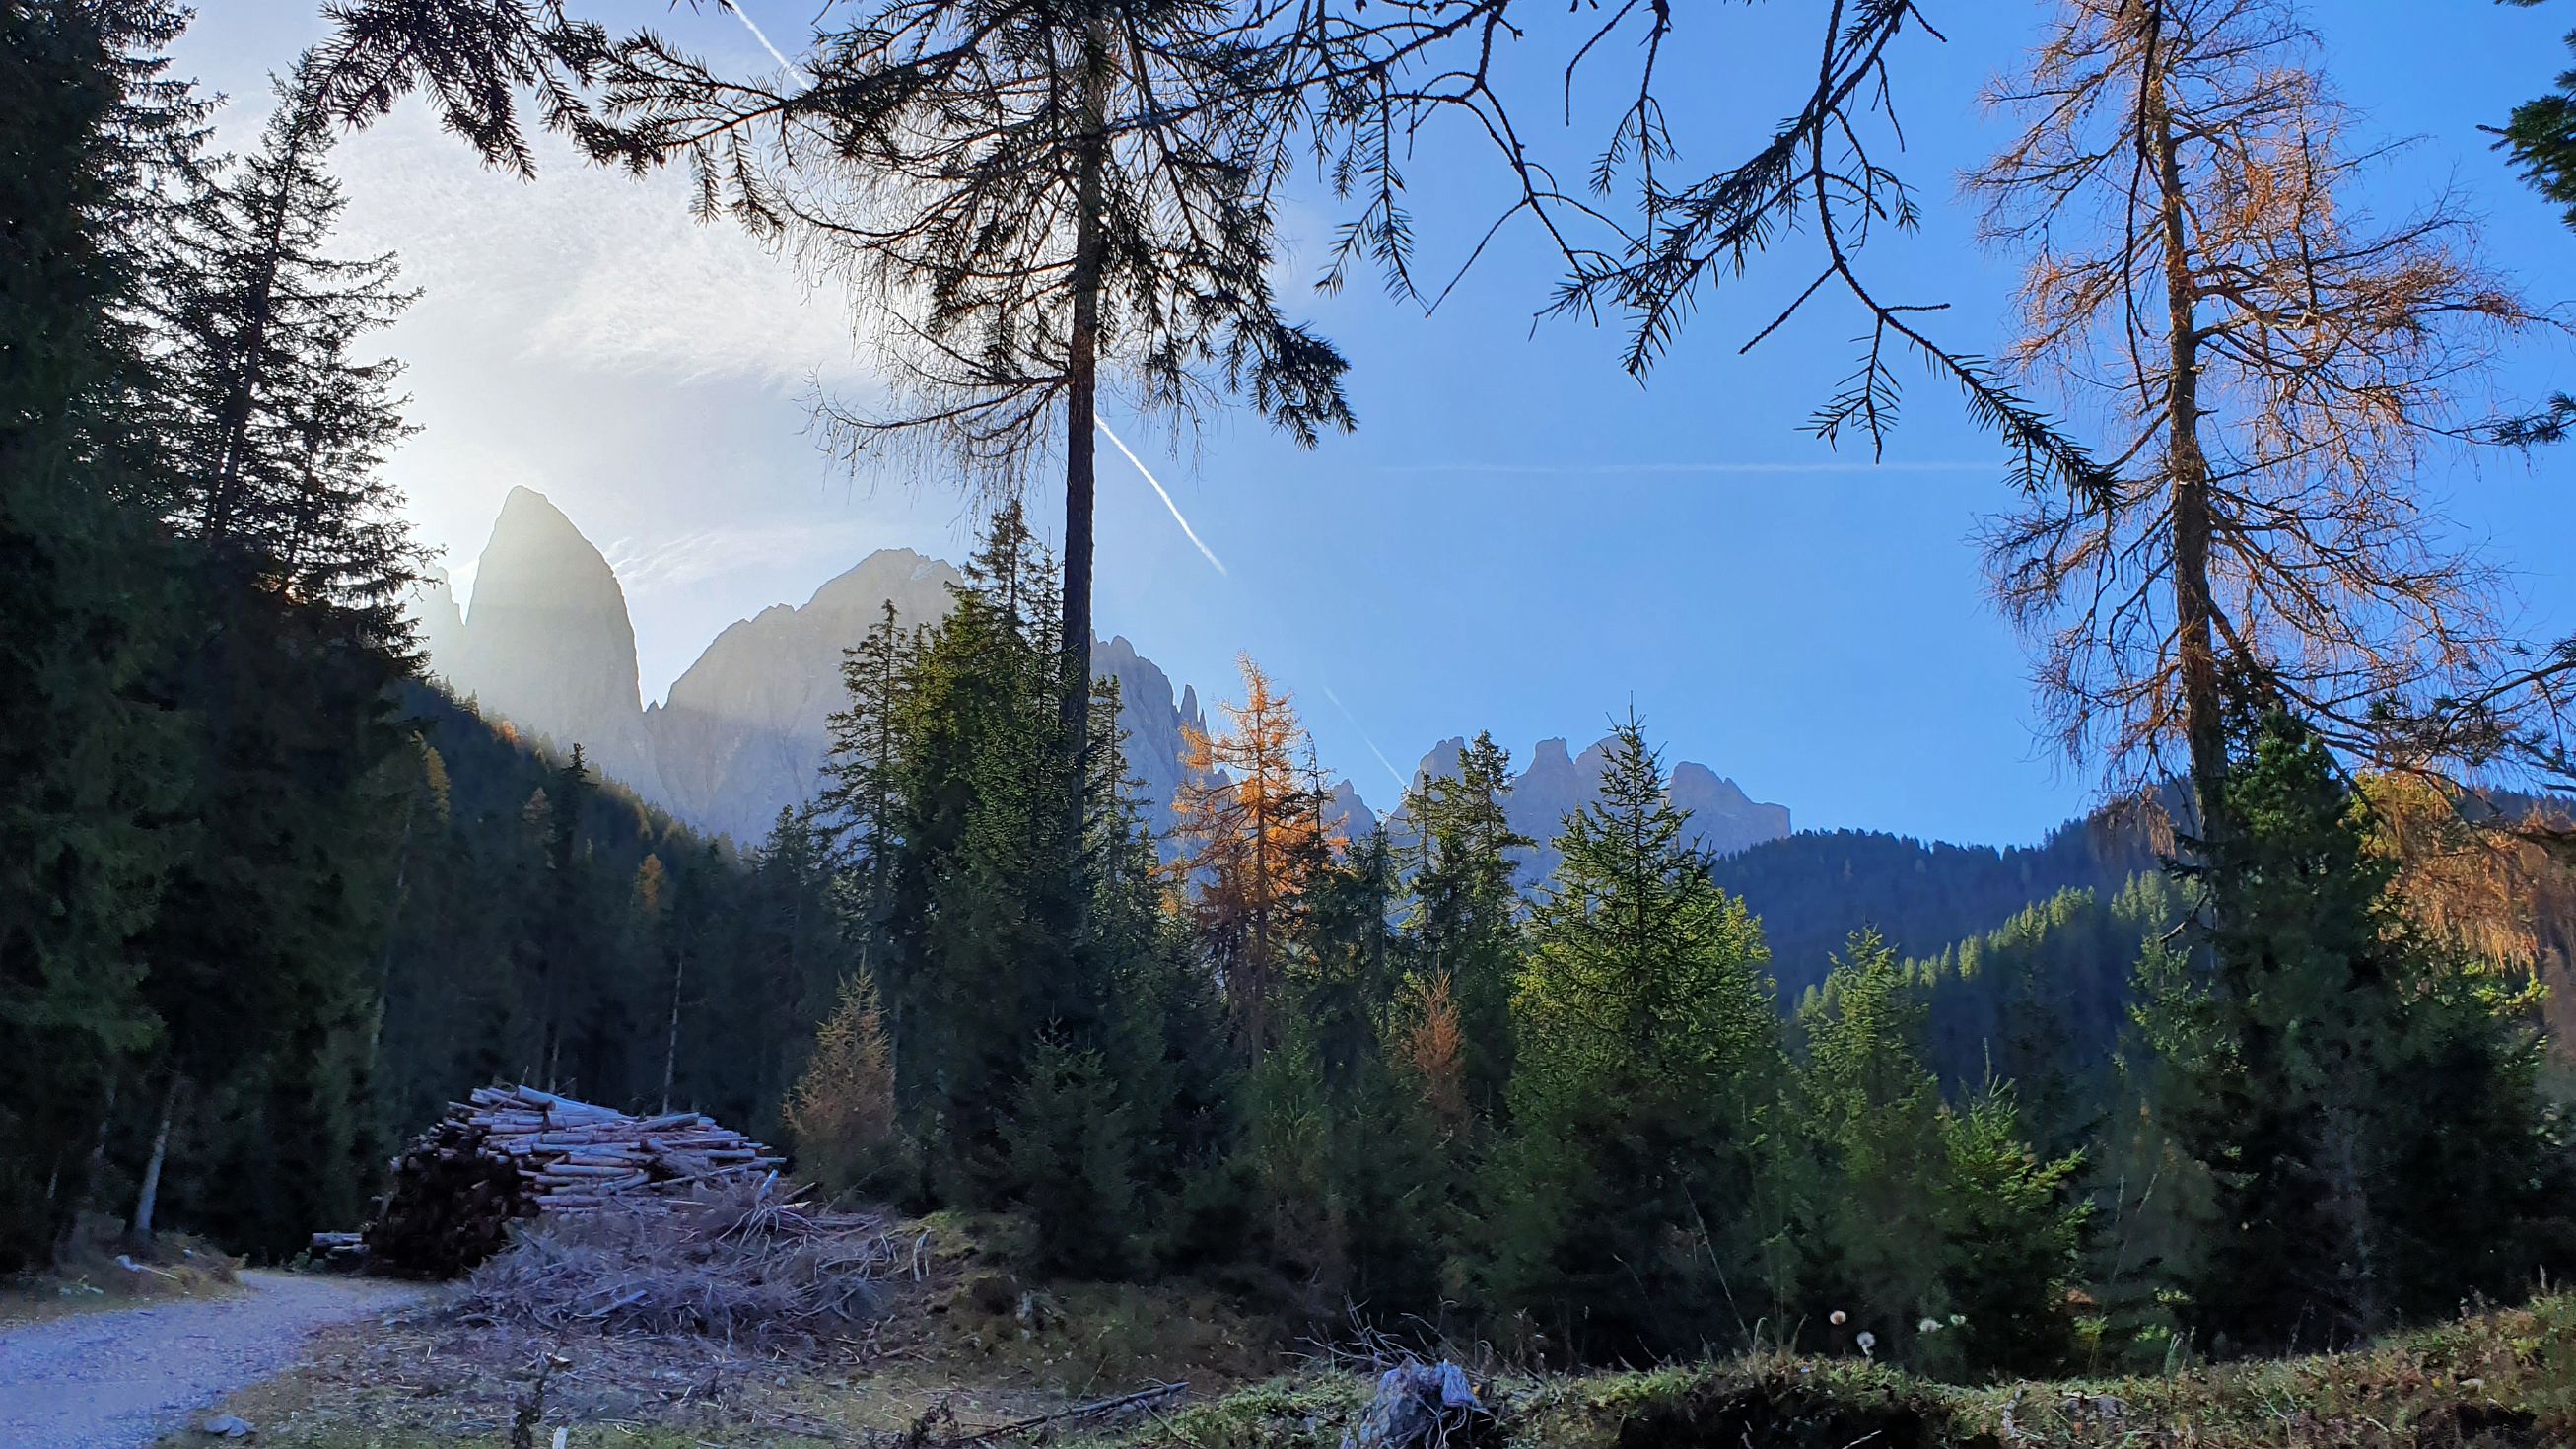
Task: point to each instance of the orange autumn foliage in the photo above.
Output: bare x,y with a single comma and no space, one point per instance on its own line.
2489,892
1434,1049
1252,827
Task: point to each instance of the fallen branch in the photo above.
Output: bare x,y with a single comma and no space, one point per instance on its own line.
1145,1398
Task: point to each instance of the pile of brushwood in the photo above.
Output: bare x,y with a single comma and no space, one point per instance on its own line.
747,1264
509,1154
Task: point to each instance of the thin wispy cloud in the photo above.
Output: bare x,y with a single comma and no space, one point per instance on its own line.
593,270
1165,494
646,566
1606,469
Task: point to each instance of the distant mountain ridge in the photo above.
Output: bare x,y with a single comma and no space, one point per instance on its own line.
1813,890
547,644
745,730
1556,783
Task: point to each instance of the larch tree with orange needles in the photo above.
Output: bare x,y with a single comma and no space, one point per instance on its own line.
2495,894
1433,1048
2270,368
1253,829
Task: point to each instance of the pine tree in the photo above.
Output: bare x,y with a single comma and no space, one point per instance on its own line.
985,892
858,805
281,431
1935,1228
1871,1116
267,937
1347,961
1166,1047
842,1113
2013,1234
1071,1144
561,944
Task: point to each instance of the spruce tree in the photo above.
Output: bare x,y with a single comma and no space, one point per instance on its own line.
1631,1217
1466,919
857,805
1166,1040
280,429
277,431
97,133
985,895
1870,1118
2364,1099
1934,1227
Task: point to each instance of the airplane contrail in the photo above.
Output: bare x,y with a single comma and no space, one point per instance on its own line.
1120,443
1218,564
1688,468
754,27
1392,772
1165,494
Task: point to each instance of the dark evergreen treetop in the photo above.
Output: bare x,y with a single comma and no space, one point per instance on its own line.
281,430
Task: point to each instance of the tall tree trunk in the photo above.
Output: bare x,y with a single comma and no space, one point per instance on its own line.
147,1200
2187,470
96,1170
242,398
671,1047
1082,391
393,919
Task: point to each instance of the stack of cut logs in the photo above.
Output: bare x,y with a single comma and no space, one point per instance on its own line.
515,1152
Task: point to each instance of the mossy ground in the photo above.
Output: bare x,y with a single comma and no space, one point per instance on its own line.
2501,1380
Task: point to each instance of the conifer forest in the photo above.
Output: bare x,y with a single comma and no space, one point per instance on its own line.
2270,1051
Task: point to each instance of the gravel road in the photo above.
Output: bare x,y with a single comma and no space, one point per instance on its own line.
119,1380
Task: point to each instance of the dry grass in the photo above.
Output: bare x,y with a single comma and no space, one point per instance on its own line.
2503,1380
965,1339
969,1347
2494,1381
92,1279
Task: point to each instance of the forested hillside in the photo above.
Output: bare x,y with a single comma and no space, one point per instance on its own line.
1813,890
532,925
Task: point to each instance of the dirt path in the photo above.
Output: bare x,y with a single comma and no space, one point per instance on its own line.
119,1380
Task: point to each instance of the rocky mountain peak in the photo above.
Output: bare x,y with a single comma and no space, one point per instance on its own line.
436,618
746,729
1557,783
547,642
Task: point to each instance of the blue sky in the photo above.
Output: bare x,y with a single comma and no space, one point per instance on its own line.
1519,537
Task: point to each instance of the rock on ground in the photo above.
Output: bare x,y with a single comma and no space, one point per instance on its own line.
120,1380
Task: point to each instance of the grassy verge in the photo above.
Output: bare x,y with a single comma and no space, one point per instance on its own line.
969,1343
93,1277
2493,1381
